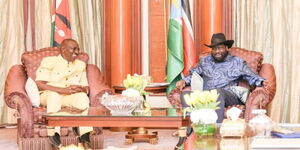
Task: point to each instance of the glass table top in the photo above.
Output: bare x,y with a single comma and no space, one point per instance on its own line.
103,112
216,142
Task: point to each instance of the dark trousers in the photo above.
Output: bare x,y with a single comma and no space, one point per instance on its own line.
226,98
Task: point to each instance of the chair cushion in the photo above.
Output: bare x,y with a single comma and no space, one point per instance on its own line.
32,60
196,82
32,92
241,92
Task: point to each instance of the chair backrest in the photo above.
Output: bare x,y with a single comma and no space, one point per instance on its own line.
253,58
32,60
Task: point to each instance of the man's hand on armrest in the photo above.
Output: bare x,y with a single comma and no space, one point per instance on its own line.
266,84
180,84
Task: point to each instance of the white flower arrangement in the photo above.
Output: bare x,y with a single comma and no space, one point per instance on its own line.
202,106
135,87
134,84
131,92
205,115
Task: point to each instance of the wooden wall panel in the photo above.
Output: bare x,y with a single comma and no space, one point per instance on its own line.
197,27
121,46
227,19
106,42
211,21
136,53
121,39
158,28
211,16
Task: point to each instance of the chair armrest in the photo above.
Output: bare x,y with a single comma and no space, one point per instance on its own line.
16,98
15,86
268,72
97,85
174,96
259,98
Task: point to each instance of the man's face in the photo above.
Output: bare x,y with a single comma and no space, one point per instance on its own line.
70,50
219,52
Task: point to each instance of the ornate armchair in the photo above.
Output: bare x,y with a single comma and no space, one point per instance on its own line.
259,97
32,132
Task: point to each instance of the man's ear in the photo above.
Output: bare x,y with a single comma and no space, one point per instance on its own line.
62,48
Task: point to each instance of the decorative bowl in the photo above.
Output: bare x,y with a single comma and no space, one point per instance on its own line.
120,105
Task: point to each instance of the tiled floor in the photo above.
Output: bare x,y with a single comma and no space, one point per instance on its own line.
117,139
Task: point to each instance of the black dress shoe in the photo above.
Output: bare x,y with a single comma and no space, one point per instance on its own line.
55,140
75,131
87,145
85,141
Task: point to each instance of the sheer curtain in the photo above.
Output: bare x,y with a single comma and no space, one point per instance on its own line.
273,28
11,46
85,25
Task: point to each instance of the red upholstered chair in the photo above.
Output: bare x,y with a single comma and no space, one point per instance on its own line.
259,97
32,133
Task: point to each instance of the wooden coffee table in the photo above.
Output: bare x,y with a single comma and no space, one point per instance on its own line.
98,118
153,88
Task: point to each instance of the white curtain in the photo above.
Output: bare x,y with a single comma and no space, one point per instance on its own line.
86,27
273,28
11,47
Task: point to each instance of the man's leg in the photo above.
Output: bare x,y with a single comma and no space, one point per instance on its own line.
52,101
84,133
183,103
227,99
80,101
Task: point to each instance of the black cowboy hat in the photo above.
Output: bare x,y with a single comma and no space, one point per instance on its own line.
219,38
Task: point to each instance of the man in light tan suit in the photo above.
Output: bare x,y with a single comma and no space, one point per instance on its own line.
62,81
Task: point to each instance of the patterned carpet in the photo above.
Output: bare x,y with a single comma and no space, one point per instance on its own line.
166,141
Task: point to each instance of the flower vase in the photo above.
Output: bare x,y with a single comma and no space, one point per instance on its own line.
204,129
207,143
140,109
